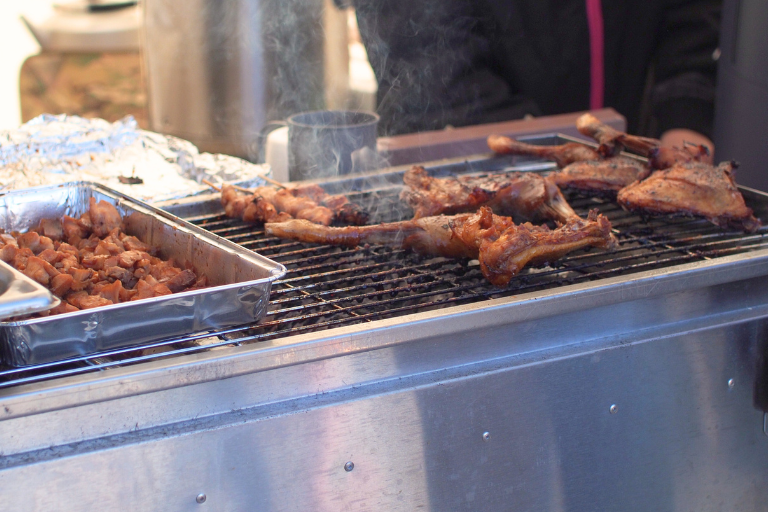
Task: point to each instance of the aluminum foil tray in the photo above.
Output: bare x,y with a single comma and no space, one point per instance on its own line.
20,295
240,281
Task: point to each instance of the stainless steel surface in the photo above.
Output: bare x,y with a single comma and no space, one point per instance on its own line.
407,398
240,281
20,295
218,71
406,404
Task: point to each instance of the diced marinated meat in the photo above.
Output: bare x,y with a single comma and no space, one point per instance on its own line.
181,281
50,256
84,301
73,229
35,242
39,270
52,228
81,278
128,258
63,307
8,253
104,217
20,259
131,243
61,284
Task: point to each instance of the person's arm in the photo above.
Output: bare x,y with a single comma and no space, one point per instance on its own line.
430,61
685,67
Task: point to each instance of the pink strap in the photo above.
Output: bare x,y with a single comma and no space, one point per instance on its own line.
596,49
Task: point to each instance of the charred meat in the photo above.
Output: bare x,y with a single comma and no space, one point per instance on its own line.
308,202
692,188
502,247
612,142
601,177
524,196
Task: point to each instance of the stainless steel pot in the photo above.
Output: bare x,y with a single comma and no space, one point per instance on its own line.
218,70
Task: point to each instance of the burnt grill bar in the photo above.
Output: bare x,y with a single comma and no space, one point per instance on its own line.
328,287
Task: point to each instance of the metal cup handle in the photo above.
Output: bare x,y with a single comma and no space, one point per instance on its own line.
261,139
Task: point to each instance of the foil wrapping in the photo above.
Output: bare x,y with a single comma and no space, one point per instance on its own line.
53,149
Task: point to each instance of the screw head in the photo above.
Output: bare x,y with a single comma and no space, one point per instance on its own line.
731,383
201,498
614,409
486,436
349,466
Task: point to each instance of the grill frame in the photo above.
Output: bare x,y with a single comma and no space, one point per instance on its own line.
387,181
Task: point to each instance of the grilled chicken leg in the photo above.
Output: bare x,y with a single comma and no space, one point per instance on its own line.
524,196
692,188
502,247
612,141
563,154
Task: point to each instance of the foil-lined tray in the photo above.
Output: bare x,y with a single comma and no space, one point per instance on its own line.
150,166
240,281
20,295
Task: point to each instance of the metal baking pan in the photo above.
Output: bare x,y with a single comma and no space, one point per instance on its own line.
20,295
240,280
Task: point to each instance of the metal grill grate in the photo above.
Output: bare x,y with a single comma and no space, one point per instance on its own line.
328,287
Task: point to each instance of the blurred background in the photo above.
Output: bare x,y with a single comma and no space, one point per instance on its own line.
210,71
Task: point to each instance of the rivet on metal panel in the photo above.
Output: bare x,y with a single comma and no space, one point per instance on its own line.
731,383
349,466
201,498
614,409
486,436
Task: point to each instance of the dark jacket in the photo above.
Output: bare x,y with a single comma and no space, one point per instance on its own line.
462,62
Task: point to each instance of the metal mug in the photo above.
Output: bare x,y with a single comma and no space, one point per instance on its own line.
328,143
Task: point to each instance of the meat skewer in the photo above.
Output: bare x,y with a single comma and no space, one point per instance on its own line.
526,196
502,247
309,202
695,189
563,154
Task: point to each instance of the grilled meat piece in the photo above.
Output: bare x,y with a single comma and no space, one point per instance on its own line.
563,155
602,177
104,217
666,157
524,196
692,188
310,202
502,247
612,142
503,258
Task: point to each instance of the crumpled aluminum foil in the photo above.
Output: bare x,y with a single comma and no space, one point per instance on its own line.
51,149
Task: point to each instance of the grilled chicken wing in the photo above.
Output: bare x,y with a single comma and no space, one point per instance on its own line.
692,188
603,177
502,247
526,196
310,202
563,154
